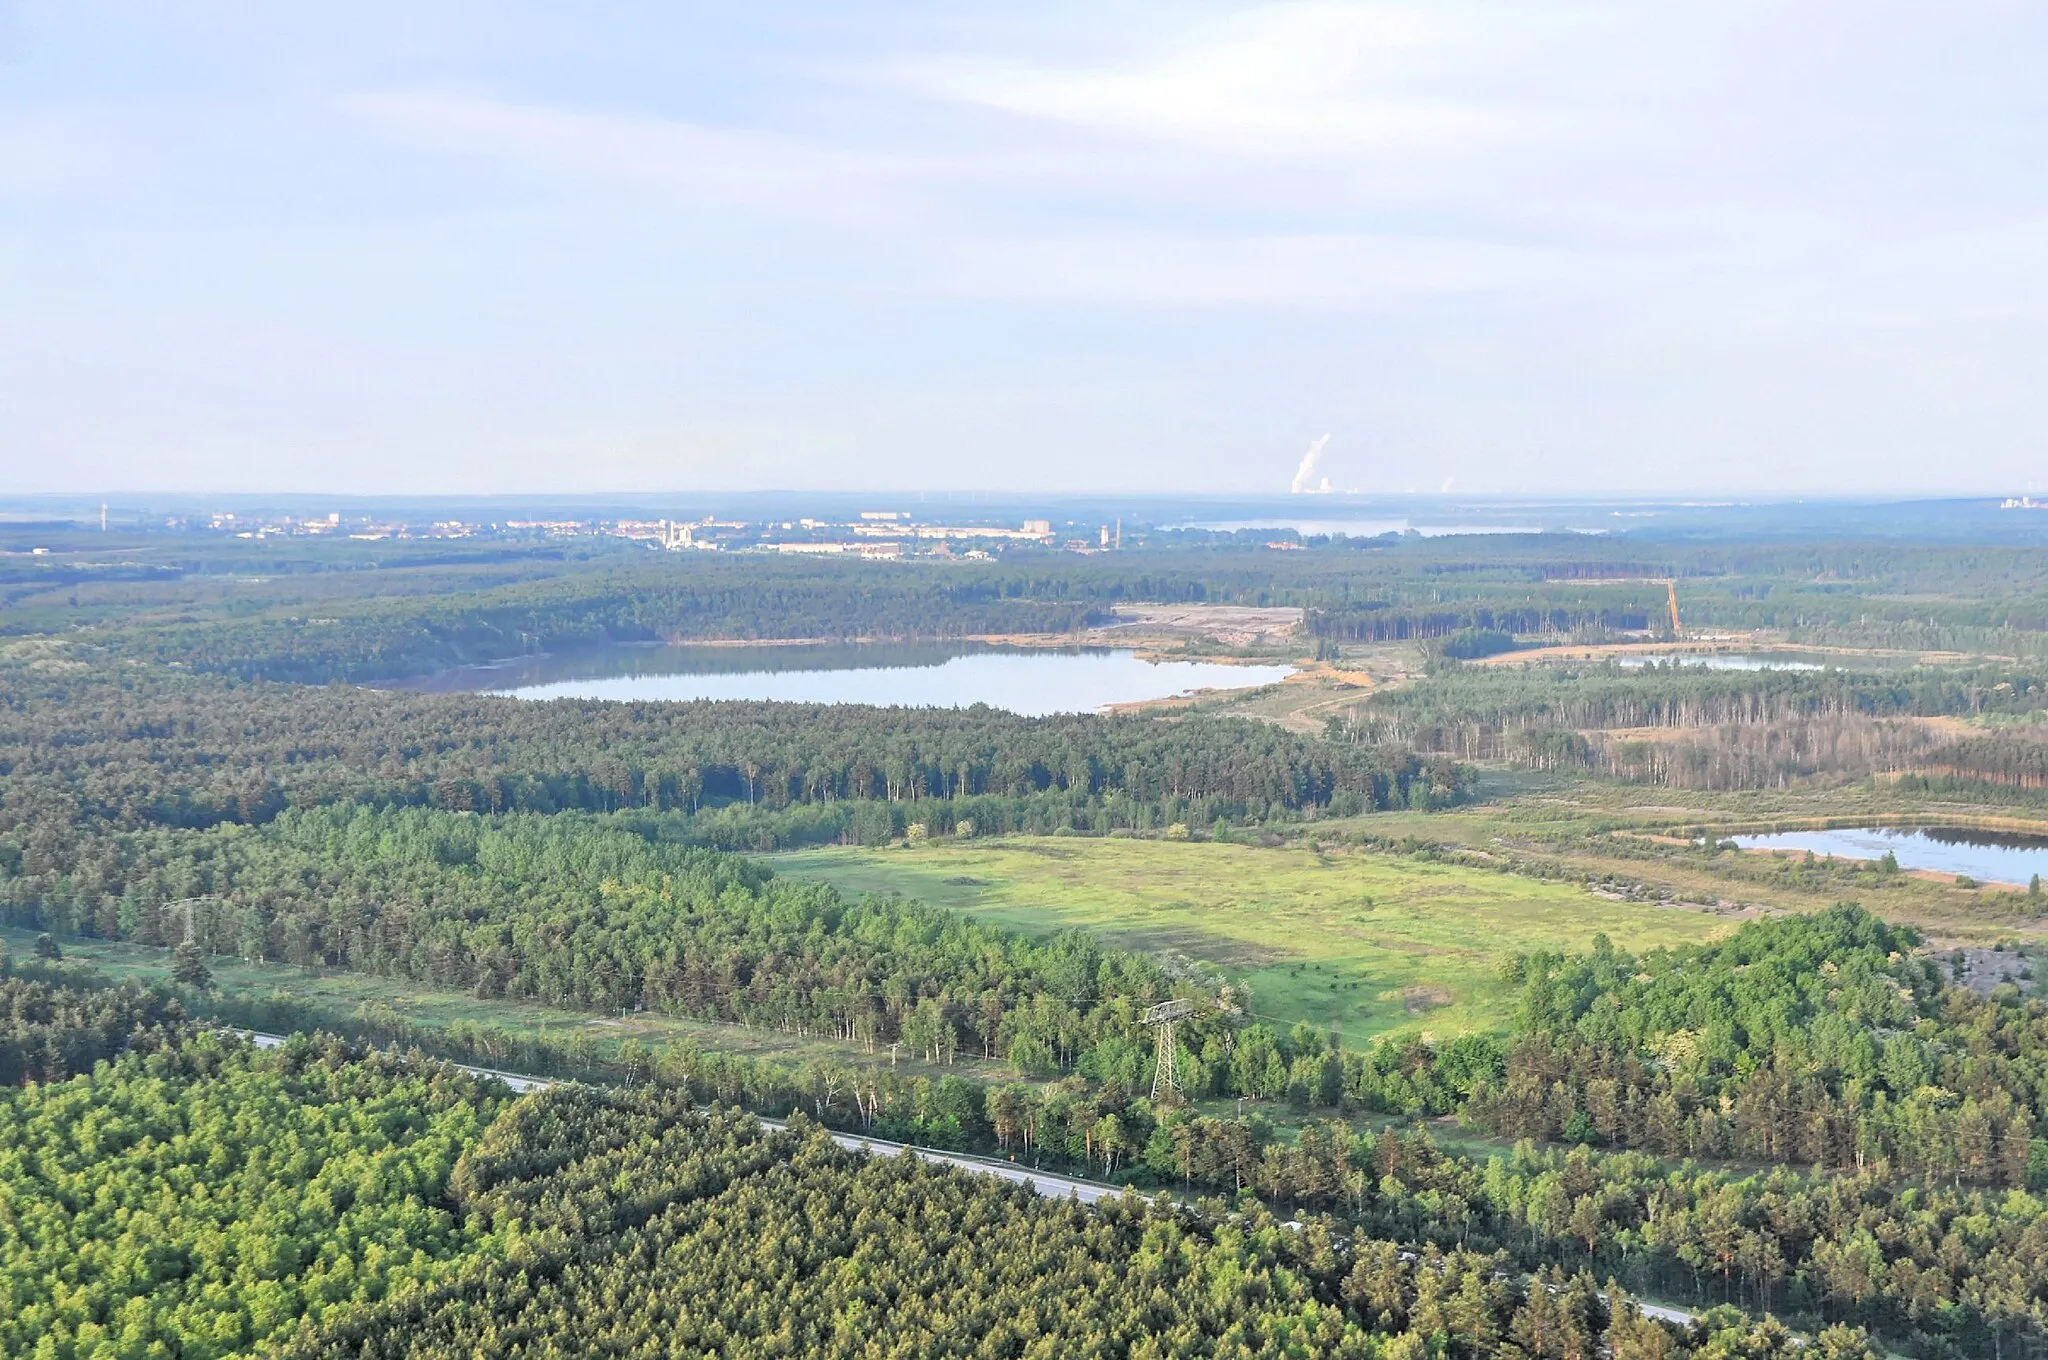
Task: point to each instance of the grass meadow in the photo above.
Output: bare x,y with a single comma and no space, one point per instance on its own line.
1366,943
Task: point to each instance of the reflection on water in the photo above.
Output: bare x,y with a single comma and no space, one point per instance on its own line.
1030,681
1720,661
1988,856
624,660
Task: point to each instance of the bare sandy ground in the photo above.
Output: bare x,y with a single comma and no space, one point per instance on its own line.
1231,624
1735,643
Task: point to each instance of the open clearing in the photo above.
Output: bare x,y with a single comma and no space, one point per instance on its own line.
1364,942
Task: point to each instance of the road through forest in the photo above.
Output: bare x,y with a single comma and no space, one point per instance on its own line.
1057,1187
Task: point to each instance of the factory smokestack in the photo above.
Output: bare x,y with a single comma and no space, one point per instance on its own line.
1305,476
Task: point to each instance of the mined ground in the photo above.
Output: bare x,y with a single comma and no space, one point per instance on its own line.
1227,624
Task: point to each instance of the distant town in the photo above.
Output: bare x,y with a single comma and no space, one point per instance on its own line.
878,534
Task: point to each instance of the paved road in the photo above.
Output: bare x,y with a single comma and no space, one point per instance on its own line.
1045,1183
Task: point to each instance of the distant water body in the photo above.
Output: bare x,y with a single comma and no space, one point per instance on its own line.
1370,528
1030,681
1987,856
1719,661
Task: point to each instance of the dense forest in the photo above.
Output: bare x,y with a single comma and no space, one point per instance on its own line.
894,1257
1692,727
132,746
2011,757
303,610
50,1031
196,1197
1805,1118
1819,1040
1837,1010
1606,695
513,1226
590,913
1888,1231
610,912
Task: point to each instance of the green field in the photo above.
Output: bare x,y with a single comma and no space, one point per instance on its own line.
1364,942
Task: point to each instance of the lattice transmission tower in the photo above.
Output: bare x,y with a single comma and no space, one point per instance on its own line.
170,908
1161,1019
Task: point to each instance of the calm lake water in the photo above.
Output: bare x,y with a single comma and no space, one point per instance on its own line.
1720,661
1032,681
1988,856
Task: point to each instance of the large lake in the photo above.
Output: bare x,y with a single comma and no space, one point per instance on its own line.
1988,856
1030,680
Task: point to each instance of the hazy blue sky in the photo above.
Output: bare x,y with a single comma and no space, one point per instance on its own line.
465,246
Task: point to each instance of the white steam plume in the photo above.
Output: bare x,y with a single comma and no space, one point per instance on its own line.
1305,475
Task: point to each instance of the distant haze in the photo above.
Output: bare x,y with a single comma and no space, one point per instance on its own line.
1599,248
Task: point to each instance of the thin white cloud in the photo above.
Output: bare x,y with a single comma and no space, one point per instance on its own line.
1170,265
1590,241
1289,80
734,167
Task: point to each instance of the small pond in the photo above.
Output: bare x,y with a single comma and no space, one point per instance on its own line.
1987,856
1721,661
1033,681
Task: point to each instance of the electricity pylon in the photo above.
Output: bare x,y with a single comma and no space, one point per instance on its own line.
1162,1018
187,903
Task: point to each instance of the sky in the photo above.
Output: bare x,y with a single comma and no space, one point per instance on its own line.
1521,247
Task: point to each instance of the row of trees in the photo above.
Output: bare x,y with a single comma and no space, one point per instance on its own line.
590,913
1621,609
131,746
2013,757
1507,699
1691,727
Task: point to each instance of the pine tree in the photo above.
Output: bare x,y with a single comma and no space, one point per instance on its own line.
188,967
